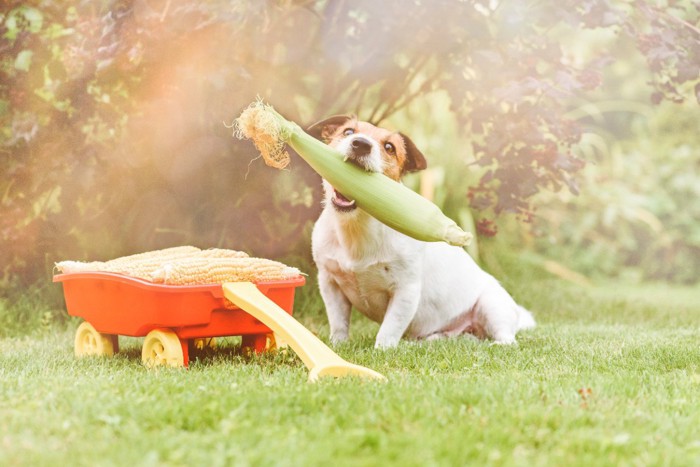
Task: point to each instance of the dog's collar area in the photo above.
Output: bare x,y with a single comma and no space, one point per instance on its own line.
341,203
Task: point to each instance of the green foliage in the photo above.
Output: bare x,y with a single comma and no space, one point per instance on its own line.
635,215
37,310
112,113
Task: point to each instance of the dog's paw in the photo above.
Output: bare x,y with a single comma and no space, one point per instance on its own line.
384,343
504,340
437,336
338,337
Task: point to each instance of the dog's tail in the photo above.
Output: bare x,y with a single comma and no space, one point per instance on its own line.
525,319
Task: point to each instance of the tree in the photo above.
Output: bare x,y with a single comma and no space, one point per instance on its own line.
111,112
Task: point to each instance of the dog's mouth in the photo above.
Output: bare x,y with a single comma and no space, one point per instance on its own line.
341,203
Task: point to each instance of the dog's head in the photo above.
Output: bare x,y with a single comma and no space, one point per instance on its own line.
371,148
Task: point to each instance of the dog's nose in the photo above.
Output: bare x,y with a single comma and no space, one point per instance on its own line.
360,147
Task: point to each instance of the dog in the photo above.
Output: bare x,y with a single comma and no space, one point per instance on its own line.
414,289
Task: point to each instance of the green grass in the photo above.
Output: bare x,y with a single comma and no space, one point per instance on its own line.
610,377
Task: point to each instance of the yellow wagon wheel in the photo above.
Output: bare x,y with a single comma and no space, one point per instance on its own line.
162,348
90,342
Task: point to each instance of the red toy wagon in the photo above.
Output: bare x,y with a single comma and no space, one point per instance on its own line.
172,318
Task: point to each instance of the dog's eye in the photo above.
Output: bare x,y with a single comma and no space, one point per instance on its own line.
388,147
348,132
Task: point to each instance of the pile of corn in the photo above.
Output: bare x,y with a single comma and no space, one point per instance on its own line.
188,265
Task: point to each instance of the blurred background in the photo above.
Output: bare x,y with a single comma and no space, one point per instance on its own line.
564,133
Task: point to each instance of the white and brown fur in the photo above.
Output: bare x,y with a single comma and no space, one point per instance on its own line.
414,289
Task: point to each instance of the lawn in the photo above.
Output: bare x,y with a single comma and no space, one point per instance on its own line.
611,376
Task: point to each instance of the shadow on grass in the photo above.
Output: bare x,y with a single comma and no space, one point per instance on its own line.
225,349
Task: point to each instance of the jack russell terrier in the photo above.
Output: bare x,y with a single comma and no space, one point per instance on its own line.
420,290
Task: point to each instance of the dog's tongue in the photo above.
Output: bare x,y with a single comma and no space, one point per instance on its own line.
341,199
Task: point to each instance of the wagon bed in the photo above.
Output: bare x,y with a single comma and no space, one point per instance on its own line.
173,316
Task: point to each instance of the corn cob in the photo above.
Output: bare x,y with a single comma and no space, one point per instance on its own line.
390,202
197,270
140,265
165,253
143,265
222,253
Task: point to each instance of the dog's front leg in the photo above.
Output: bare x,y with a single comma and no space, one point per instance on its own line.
402,308
337,308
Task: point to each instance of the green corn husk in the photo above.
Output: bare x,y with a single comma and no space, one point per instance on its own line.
388,201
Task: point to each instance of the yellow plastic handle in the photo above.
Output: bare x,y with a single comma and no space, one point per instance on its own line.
317,356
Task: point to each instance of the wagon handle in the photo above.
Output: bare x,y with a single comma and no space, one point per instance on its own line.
317,356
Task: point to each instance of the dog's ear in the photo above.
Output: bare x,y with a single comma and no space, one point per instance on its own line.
325,128
415,160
